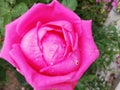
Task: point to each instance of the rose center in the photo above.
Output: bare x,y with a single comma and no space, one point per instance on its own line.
53,47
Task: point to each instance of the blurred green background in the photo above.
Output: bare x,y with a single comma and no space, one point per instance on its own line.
106,38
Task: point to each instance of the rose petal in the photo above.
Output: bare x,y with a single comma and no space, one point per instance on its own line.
34,78
11,37
67,30
50,12
70,64
89,51
63,86
41,33
76,41
53,47
31,49
61,23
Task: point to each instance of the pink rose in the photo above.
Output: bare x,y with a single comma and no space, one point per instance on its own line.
50,46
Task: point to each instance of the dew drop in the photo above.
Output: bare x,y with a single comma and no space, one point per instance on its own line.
76,62
51,63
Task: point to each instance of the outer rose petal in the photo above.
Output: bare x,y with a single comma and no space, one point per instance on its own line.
11,37
89,51
61,23
30,48
36,79
70,64
45,13
63,86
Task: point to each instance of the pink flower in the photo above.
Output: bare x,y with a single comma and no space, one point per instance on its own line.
115,3
98,1
105,6
50,46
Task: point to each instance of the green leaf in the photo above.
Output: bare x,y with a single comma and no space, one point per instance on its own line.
2,62
44,1
71,4
3,4
4,11
19,10
90,77
1,22
21,79
7,18
11,1
2,74
1,26
4,8
47,1
80,86
5,64
28,87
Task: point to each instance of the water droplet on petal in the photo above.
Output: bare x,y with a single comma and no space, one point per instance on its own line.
76,62
51,63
